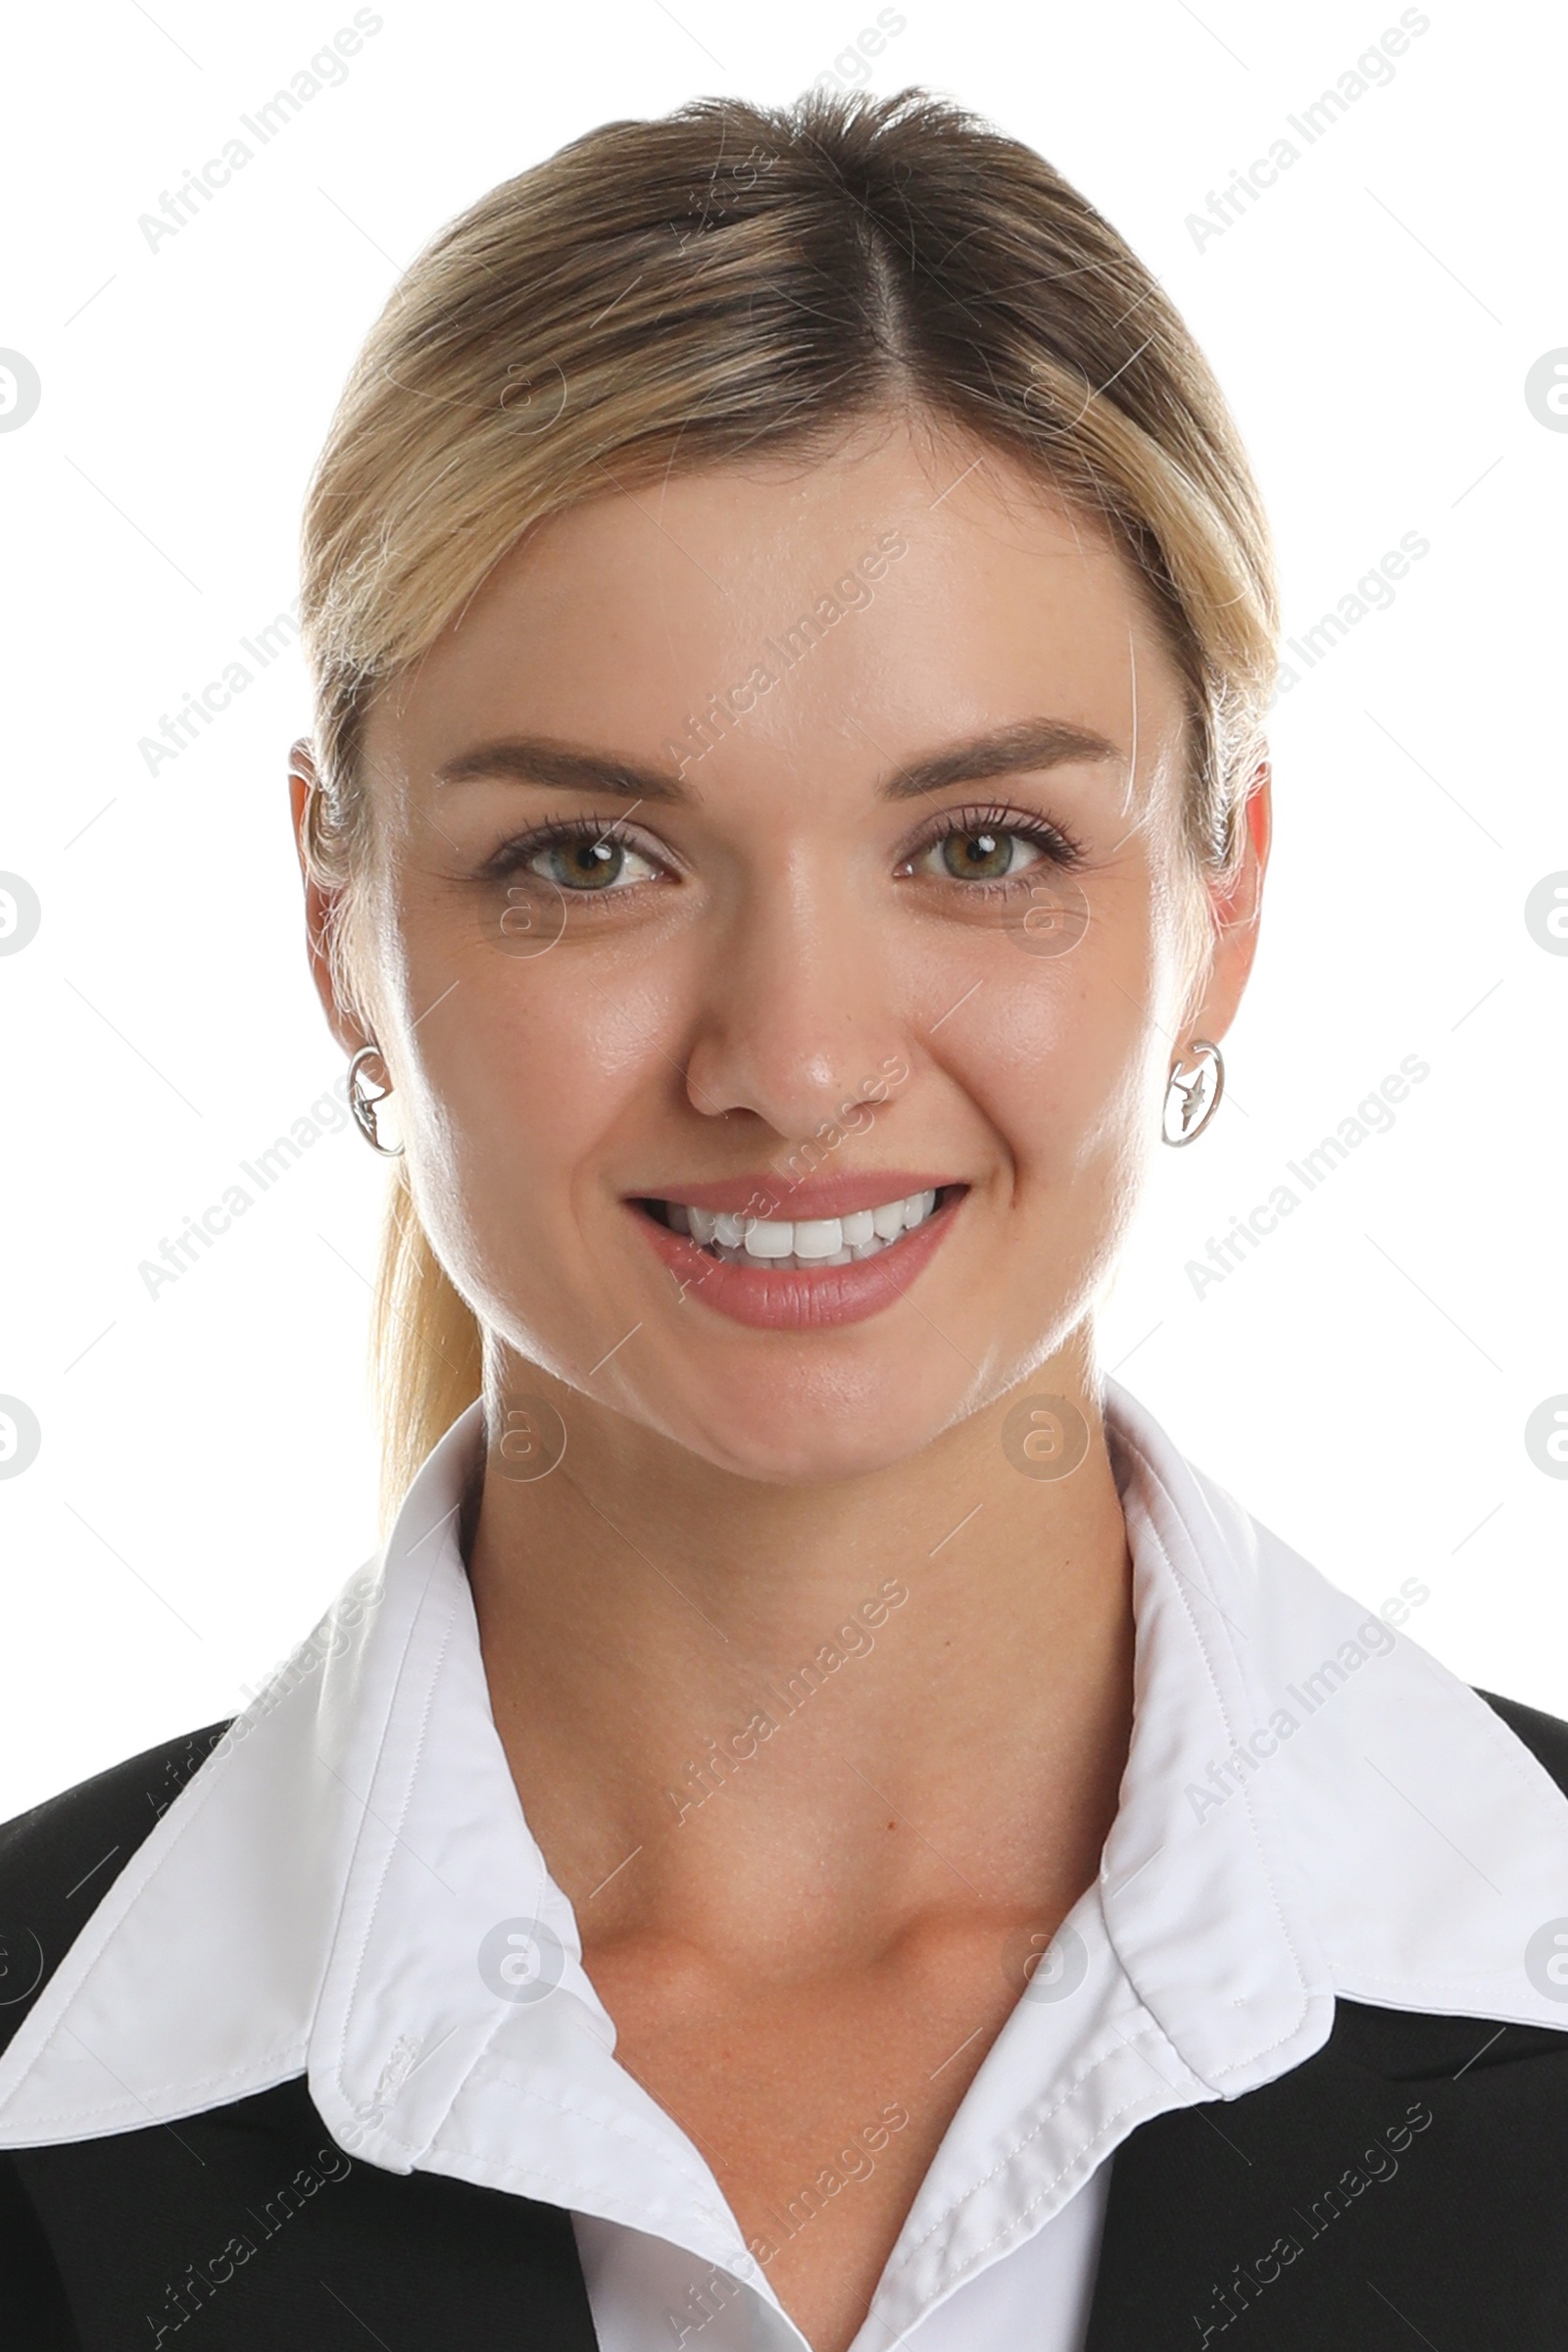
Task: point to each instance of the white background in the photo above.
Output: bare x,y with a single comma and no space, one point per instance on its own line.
205,1478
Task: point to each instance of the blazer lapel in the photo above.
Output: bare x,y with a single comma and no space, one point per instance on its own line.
1404,2185
1407,2183
251,2218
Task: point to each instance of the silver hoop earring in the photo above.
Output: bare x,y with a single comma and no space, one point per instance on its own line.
364,1106
1194,1099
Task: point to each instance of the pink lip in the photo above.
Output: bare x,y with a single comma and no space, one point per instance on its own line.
771,1193
793,1298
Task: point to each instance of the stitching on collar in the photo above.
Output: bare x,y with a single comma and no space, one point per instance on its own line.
1260,1844
1152,2032
456,2145
339,2052
337,2044
198,1790
647,2141
285,2065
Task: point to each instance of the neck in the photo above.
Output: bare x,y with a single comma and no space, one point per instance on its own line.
719,1696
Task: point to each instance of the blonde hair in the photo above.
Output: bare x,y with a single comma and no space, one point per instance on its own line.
725,280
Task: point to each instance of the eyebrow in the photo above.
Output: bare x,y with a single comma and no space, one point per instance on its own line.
1027,744
1031,743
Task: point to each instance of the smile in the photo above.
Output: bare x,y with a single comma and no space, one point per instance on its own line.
804,1244
871,1237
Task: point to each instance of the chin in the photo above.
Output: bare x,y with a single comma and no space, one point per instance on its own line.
804,1432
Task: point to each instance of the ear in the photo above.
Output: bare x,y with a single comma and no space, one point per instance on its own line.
321,903
1237,907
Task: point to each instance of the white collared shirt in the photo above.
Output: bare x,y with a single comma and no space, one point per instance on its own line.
347,1890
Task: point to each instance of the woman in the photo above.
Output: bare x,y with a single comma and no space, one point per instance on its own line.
819,1827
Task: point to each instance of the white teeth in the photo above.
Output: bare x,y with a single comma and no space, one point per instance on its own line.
742,1241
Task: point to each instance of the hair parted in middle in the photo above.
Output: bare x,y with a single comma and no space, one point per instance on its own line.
717,285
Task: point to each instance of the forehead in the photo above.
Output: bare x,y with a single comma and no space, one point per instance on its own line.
910,584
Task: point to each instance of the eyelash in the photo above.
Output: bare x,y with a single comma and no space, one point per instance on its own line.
1056,845
993,816
566,833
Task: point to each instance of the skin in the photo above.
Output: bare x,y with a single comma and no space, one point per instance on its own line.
837,1933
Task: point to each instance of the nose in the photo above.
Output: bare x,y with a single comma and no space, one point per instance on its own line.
797,1014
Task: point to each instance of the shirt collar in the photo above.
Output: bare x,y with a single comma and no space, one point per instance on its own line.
347,1888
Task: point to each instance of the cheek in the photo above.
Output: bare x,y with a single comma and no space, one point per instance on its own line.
526,1077
526,1068
1068,1066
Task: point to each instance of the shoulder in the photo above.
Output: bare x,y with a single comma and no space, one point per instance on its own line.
58,1861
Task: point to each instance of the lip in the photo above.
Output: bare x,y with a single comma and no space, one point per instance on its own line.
811,1196
796,1298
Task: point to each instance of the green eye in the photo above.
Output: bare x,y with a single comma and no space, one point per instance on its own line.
982,856
992,845
587,864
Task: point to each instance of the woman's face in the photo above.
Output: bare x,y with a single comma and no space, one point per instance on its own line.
786,843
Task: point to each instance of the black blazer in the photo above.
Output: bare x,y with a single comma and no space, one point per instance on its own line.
1407,2184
